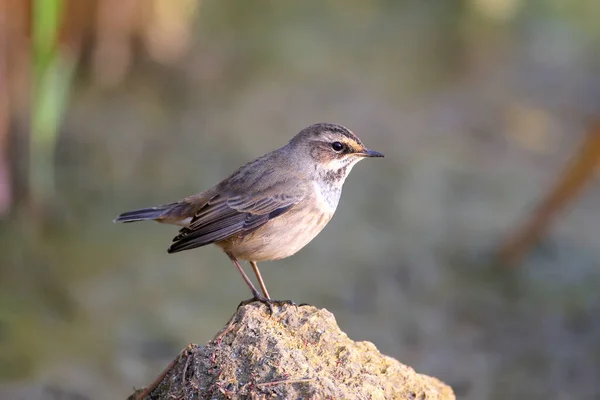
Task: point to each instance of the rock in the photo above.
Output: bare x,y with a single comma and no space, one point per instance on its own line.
297,353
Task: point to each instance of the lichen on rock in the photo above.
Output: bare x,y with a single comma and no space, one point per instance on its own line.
297,353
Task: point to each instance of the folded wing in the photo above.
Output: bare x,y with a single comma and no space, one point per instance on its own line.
230,214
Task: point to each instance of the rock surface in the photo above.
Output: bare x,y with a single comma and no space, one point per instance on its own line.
297,353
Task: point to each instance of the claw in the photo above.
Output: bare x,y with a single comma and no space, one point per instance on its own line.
268,302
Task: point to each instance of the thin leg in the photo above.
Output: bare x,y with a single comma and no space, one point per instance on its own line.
255,295
246,279
260,279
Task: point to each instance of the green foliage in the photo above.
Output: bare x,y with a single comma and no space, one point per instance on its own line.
52,75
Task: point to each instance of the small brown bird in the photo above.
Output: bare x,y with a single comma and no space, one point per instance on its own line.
271,207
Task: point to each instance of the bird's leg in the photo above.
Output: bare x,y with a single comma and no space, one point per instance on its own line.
255,295
260,279
264,287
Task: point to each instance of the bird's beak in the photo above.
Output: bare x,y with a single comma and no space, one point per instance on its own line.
370,153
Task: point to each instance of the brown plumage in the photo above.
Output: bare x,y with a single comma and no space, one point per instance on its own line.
271,207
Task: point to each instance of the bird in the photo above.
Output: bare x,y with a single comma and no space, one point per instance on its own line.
269,208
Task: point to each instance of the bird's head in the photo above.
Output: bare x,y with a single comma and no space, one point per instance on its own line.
332,149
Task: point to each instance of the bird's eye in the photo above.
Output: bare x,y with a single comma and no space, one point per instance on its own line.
337,146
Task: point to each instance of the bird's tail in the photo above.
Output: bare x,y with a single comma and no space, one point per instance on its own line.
144,214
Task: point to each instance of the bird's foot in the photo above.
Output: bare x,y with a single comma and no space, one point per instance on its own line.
268,302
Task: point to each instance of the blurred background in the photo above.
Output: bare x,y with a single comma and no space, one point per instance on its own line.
480,106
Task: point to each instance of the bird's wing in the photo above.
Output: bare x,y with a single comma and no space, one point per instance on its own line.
230,213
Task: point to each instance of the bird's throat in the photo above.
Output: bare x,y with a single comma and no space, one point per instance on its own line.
330,183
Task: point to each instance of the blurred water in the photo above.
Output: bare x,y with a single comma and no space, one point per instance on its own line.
476,117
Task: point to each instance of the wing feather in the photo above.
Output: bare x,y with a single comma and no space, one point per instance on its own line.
230,214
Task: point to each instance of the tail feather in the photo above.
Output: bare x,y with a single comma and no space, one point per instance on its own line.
144,214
